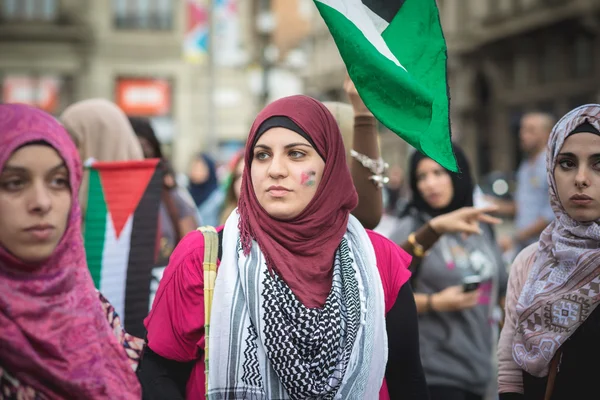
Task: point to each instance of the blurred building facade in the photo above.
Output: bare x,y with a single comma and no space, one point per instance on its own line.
511,56
56,52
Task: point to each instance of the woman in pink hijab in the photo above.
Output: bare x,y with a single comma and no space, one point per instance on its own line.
55,341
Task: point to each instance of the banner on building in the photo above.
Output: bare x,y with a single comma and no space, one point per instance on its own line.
144,97
195,45
121,235
229,51
42,92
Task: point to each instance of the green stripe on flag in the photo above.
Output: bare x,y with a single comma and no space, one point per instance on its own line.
387,89
410,96
425,57
95,217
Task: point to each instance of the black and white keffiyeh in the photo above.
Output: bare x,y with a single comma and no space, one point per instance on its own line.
266,345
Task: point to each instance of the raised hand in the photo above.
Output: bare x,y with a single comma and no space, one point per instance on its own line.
465,220
357,104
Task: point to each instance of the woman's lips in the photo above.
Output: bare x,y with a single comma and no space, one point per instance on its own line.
40,233
581,199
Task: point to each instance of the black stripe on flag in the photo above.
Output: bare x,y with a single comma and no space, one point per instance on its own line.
386,9
142,256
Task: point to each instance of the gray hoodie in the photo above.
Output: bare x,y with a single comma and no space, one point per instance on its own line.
457,347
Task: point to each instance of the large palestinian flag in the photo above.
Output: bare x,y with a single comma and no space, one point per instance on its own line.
395,53
121,232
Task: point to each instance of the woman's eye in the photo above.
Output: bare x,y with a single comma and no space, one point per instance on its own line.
60,183
566,164
296,154
261,156
13,184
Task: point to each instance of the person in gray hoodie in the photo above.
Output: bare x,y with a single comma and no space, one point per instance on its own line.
456,331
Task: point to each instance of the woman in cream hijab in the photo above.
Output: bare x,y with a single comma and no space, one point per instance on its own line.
101,131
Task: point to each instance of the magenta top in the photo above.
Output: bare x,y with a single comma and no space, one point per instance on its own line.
176,322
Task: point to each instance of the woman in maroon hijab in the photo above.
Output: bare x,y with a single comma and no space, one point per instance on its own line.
307,303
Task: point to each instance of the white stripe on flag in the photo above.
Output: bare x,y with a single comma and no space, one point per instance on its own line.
115,259
380,23
356,12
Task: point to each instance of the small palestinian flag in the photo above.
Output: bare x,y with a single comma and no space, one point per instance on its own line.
121,232
395,53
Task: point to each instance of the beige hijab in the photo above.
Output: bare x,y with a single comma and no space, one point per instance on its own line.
344,116
101,131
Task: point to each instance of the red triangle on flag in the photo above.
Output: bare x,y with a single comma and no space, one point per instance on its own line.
124,184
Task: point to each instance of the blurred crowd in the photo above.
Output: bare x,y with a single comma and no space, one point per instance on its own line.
446,222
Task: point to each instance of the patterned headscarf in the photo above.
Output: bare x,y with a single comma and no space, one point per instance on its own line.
54,336
563,286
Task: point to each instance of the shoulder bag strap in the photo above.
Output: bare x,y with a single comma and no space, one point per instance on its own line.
209,266
552,374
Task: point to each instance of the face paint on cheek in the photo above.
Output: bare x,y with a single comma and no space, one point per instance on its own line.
308,178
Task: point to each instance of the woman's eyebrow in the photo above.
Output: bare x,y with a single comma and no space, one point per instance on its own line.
297,144
567,155
18,168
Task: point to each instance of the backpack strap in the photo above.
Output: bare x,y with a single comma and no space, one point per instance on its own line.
209,266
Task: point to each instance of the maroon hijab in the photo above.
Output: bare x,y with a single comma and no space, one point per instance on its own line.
54,335
301,250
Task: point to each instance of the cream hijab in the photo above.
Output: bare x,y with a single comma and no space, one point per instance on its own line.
344,116
101,131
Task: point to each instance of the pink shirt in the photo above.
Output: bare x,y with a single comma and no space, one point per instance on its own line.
176,322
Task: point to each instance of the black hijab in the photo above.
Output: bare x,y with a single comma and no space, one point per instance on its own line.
143,128
461,182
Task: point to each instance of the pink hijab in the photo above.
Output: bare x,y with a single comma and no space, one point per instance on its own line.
54,336
563,286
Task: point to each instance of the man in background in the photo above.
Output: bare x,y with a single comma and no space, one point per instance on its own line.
531,206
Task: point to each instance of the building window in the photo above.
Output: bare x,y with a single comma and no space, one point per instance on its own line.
549,60
28,10
143,14
581,99
521,75
583,53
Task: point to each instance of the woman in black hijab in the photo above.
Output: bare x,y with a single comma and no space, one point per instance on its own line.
457,280
462,186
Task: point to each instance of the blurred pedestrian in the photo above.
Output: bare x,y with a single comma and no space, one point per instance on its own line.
233,186
55,339
204,189
531,206
102,132
549,344
457,278
177,214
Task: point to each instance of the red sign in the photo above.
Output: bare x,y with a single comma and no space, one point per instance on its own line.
42,92
144,97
